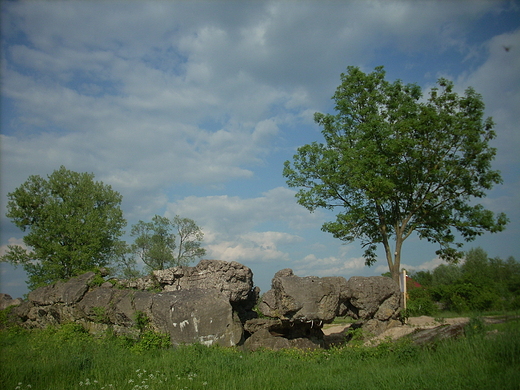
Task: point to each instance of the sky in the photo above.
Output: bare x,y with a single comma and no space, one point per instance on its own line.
191,108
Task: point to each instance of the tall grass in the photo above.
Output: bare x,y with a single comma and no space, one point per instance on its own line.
68,358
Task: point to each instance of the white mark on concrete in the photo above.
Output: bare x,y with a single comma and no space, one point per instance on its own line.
183,324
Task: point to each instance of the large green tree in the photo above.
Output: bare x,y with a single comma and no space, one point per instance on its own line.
162,243
395,163
73,225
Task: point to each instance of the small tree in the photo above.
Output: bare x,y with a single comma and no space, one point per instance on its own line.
396,165
163,243
73,225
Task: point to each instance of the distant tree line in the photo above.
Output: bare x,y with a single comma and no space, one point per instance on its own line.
479,284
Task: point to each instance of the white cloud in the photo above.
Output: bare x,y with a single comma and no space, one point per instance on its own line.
329,266
498,80
12,241
231,224
340,264
233,215
253,247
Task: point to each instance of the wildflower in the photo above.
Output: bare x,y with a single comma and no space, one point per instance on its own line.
130,381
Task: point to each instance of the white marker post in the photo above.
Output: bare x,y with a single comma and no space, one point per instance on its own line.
402,283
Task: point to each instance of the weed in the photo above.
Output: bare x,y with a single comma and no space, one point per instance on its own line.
475,327
5,317
100,315
141,320
150,340
96,281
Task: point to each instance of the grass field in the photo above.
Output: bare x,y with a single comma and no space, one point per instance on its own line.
67,358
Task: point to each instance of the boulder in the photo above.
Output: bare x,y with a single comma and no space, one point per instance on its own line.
263,339
196,316
203,304
97,306
443,332
374,297
303,299
6,300
68,292
286,329
232,279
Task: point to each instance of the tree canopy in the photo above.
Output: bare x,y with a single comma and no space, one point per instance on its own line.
395,163
162,243
73,224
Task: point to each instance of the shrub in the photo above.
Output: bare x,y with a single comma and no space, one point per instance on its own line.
151,340
100,315
420,303
141,320
474,327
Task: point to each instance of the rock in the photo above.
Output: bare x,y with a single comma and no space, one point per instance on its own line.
212,303
375,297
271,324
196,316
274,333
310,298
145,283
428,336
75,288
96,305
287,329
375,327
188,316
264,339
233,279
62,292
6,300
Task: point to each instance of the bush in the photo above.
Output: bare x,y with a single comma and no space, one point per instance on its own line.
151,340
141,320
420,303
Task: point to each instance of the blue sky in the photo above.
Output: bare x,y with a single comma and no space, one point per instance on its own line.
191,108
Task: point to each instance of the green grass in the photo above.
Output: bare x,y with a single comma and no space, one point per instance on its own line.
68,358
